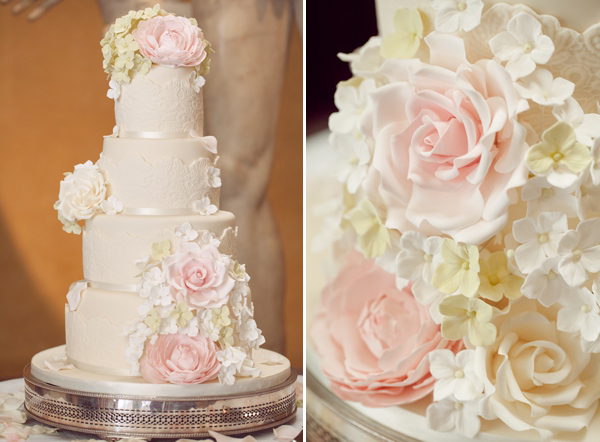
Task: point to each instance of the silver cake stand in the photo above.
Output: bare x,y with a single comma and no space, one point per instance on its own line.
113,416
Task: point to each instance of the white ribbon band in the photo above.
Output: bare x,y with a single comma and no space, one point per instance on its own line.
113,287
102,370
158,212
143,134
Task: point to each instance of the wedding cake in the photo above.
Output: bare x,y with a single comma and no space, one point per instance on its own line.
164,308
465,302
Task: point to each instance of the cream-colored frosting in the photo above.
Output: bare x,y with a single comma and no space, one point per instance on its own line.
158,173
113,244
94,332
575,14
274,370
162,101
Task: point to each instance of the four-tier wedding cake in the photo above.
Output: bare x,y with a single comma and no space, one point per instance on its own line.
163,299
466,231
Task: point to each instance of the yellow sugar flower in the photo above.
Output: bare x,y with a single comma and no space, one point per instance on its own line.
182,314
153,320
496,281
161,249
373,236
459,269
407,36
226,337
559,156
467,317
221,316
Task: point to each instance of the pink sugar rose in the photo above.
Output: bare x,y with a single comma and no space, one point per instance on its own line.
180,359
171,41
373,339
199,276
449,151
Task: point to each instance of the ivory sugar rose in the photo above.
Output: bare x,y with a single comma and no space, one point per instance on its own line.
373,339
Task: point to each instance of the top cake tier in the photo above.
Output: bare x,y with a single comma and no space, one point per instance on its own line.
156,63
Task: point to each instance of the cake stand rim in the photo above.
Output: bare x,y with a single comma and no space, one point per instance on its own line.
28,377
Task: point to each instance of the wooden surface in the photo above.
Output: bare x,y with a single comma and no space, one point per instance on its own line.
53,114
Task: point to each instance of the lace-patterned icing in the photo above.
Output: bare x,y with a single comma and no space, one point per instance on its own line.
111,259
147,107
166,184
576,56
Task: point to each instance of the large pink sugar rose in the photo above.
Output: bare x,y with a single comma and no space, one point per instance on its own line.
449,151
171,41
199,276
373,339
180,359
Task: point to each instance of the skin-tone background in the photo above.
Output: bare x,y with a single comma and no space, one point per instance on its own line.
53,114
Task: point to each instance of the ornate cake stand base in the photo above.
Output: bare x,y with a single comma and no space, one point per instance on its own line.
115,416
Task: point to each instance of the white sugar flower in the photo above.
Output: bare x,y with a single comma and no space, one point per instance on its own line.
580,252
227,374
204,207
355,157
214,177
152,278
587,196
426,294
74,295
250,333
366,60
115,90
416,258
235,362
454,15
523,45
409,30
448,415
580,314
539,239
546,284
542,88
209,239
387,261
186,232
197,81
208,328
111,205
587,126
541,196
352,100
559,156
454,375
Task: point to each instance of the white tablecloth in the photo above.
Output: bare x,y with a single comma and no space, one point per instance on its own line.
17,385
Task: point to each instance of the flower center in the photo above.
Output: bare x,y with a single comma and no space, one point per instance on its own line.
548,193
576,254
462,6
354,161
428,257
557,157
465,265
494,280
527,48
543,238
584,190
510,253
459,374
471,313
551,275
458,406
586,308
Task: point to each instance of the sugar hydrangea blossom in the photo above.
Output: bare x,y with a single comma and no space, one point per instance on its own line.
546,284
496,280
449,414
454,375
454,15
467,317
587,197
366,60
541,196
352,100
542,88
355,157
408,32
458,270
373,236
580,252
580,314
416,257
587,126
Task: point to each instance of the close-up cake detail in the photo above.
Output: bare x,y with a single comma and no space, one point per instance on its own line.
164,299
465,233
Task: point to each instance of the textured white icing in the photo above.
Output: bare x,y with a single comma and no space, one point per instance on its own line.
112,244
575,14
81,380
94,331
163,100
151,173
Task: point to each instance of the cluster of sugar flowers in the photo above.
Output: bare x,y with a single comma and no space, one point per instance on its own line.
196,322
431,157
143,37
83,194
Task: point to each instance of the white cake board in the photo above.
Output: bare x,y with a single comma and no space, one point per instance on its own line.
274,369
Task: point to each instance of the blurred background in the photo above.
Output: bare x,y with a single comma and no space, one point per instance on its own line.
340,27
53,114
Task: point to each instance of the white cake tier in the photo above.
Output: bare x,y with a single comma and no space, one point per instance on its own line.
162,176
161,104
113,244
274,370
95,338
